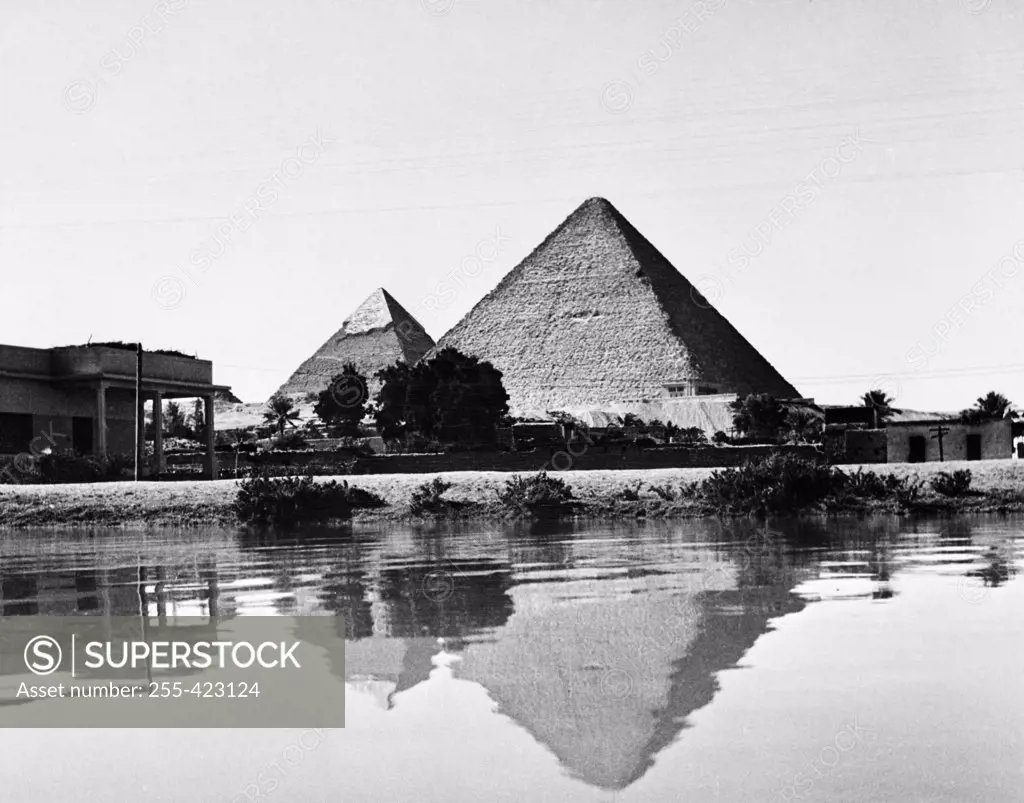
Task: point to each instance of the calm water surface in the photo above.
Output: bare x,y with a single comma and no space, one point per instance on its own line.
872,660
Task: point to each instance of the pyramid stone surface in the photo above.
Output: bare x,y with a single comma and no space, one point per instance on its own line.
379,333
596,315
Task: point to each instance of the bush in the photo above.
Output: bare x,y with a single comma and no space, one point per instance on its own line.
956,484
665,493
65,468
905,491
428,497
631,493
776,484
692,436
290,440
867,484
908,492
537,494
720,438
265,498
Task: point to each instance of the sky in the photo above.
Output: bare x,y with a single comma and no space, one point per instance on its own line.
842,180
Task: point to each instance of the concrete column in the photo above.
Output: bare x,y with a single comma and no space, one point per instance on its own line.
210,465
158,432
100,446
140,434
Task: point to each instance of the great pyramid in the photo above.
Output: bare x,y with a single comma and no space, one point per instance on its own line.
379,333
596,315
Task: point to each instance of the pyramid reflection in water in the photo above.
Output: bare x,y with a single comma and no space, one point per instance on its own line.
603,671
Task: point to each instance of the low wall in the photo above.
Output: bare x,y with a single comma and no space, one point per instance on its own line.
866,446
592,459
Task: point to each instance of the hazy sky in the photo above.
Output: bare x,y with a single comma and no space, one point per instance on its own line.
843,179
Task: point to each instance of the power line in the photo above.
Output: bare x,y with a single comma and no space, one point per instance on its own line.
873,179
910,374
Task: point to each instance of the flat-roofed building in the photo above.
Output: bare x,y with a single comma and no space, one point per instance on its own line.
83,398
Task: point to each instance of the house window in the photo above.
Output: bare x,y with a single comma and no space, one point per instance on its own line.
681,389
15,433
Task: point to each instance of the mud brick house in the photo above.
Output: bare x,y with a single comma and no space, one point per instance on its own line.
83,398
918,442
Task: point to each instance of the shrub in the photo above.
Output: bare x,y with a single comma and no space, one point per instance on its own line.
776,484
66,468
536,494
693,436
956,484
631,493
665,492
428,497
908,492
290,440
866,484
720,438
61,468
905,491
265,498
20,470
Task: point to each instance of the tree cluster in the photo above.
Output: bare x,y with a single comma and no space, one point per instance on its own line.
449,398
762,416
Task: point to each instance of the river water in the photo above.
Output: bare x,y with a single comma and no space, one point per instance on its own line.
869,660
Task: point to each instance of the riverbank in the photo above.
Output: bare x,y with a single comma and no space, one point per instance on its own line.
997,486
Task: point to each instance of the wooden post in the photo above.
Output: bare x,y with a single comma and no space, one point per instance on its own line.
100,446
210,462
939,432
158,432
140,415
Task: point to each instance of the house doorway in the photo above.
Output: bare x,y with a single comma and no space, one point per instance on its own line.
81,435
918,446
974,447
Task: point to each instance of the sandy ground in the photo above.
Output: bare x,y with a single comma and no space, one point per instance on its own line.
204,503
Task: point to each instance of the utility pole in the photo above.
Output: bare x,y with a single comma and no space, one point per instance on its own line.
140,419
939,432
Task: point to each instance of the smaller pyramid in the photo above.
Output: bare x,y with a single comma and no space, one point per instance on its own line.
379,333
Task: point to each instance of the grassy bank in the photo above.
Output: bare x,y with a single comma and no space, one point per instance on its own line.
996,486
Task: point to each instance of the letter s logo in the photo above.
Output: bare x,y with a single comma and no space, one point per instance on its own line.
43,655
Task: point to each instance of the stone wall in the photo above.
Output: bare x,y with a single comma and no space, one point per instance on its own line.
591,459
865,446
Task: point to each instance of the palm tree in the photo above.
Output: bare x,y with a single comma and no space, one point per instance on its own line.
993,405
760,415
281,413
805,426
881,403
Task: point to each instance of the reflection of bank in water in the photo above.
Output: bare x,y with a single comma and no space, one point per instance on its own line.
112,601
112,576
